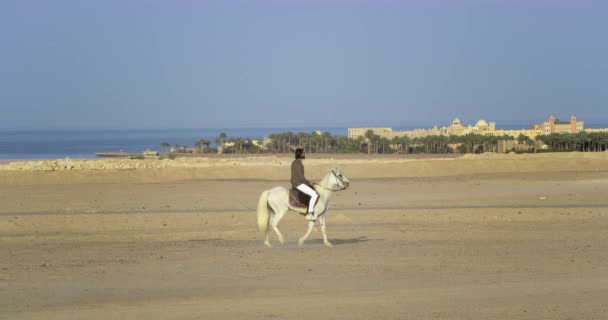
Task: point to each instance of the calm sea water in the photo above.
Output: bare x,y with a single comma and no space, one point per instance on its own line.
85,143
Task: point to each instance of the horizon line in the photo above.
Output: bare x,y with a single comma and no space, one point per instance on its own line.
285,127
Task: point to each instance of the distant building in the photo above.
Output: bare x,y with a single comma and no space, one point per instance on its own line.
482,127
354,133
259,143
556,126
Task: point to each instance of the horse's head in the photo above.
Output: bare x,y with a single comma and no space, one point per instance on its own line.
338,181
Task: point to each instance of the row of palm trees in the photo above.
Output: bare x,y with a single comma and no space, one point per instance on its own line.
199,146
470,143
582,141
228,145
312,143
372,143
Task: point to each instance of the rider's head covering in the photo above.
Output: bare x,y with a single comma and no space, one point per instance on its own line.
299,152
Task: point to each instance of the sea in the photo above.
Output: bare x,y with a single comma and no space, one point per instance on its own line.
54,144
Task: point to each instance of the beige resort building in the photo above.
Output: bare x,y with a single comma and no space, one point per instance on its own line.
481,127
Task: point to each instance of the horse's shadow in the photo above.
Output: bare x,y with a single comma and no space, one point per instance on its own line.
339,242
289,244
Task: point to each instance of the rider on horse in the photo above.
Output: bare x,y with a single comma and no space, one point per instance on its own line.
298,181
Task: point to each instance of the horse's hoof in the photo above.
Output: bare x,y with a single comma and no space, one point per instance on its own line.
328,244
268,244
300,243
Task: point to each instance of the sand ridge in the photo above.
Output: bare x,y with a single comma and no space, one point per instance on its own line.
271,160
69,171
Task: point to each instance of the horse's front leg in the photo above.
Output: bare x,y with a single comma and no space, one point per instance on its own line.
310,225
322,222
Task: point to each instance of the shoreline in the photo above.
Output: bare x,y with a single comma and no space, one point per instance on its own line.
311,156
262,155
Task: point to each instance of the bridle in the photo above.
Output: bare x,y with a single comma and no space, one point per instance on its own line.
340,180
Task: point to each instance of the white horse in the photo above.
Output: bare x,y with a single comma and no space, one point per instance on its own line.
274,203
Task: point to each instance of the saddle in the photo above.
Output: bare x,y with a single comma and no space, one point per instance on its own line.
298,198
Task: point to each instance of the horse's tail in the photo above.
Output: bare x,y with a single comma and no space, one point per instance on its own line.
263,213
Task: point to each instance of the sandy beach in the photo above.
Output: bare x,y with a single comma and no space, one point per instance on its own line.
476,237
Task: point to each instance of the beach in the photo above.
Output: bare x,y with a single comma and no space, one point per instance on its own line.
486,236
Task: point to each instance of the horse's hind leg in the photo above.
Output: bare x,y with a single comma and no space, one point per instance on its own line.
267,239
310,225
267,236
274,222
277,231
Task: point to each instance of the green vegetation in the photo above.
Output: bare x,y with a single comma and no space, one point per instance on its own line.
313,143
236,144
470,143
220,139
582,141
372,143
202,145
165,145
375,144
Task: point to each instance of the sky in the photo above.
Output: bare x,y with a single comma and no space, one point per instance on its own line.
118,64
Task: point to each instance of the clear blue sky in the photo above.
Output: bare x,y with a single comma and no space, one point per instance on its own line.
166,64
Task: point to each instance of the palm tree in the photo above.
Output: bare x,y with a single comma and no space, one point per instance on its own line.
206,143
301,138
165,145
327,140
523,139
220,139
201,144
603,141
443,144
396,143
372,141
585,138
